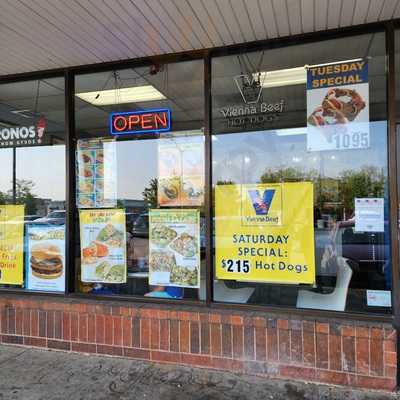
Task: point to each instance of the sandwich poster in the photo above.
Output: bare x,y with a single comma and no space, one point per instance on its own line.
12,244
265,233
181,171
45,258
96,173
103,246
338,106
174,248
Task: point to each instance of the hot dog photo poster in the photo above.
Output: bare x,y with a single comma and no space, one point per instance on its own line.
338,106
45,258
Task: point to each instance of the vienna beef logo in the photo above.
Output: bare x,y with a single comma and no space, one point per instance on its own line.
249,88
253,112
23,135
262,206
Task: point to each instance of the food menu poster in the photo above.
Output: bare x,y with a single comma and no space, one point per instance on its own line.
96,173
265,233
338,106
181,171
45,258
103,246
174,248
12,244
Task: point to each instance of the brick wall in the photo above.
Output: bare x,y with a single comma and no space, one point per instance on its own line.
337,352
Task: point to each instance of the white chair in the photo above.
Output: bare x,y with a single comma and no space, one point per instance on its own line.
335,301
223,293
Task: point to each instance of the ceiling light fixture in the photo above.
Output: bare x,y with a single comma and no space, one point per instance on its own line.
291,76
136,94
283,77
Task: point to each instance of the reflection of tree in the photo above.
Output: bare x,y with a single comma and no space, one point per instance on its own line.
334,193
150,194
369,181
287,175
24,195
225,182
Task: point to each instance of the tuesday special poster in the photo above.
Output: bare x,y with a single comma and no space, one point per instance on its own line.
338,106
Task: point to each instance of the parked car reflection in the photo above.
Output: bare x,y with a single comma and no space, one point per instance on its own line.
53,218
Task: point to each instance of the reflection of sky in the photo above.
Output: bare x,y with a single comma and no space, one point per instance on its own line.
244,157
136,166
43,165
137,163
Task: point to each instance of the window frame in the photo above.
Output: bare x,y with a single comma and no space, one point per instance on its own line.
69,73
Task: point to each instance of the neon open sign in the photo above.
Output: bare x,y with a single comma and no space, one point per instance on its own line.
146,121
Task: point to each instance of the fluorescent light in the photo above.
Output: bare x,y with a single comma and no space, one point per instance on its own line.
136,94
291,131
334,63
283,77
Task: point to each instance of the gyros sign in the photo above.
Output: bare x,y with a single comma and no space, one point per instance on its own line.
23,135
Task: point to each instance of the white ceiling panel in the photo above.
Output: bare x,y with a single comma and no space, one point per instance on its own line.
280,12
295,20
46,34
321,14
347,12
307,15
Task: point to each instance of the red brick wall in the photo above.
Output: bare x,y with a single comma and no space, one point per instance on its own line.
338,352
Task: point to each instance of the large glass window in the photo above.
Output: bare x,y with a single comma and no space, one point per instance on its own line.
300,176
32,185
140,194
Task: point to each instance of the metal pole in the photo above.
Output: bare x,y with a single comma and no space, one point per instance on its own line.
393,189
14,176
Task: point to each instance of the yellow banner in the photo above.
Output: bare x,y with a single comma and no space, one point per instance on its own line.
11,244
265,233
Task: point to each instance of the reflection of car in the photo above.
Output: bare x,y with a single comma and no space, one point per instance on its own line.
140,226
130,220
363,246
370,250
29,218
53,217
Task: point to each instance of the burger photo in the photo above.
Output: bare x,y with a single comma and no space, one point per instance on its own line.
46,261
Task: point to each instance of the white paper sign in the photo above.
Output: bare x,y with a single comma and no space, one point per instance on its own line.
379,298
369,213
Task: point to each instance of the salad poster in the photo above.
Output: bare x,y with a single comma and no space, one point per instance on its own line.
96,173
174,248
45,257
338,106
12,244
103,246
181,171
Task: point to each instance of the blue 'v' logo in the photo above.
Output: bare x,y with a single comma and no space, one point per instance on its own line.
262,204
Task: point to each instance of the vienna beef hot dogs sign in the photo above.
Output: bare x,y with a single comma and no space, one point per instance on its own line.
265,232
338,106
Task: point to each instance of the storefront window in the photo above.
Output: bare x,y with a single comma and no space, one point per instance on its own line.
32,185
140,182
299,157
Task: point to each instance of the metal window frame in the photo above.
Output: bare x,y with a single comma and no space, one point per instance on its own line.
69,74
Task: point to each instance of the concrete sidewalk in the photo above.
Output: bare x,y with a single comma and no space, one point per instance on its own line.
30,374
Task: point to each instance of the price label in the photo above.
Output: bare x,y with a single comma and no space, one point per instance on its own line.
237,266
352,140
